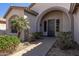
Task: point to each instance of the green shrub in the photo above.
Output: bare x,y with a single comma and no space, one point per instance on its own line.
8,43
37,35
65,40
34,36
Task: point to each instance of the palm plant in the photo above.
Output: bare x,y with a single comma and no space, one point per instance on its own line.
21,24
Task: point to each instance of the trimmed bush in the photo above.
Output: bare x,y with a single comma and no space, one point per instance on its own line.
65,40
8,43
34,36
37,35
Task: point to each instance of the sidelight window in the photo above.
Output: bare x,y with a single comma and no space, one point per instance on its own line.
57,25
45,26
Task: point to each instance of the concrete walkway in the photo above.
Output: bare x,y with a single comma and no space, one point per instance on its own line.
38,49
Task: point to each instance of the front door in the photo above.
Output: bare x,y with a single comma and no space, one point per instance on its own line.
51,28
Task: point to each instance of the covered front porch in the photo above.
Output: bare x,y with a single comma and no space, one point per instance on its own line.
54,20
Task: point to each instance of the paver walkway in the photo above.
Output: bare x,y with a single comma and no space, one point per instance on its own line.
39,49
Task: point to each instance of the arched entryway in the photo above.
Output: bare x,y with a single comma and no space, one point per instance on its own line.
54,20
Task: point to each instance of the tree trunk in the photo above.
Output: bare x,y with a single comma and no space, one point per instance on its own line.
19,34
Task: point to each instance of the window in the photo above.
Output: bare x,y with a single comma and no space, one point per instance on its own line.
45,24
13,29
57,25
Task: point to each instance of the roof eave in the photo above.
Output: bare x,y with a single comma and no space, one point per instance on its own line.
74,7
32,5
11,8
32,12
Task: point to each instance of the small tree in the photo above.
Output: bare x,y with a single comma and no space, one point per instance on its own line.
21,24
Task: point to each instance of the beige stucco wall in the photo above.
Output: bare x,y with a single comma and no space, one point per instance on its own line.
32,20
64,21
76,26
14,11
40,7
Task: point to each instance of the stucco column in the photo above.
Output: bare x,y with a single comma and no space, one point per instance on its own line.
22,35
72,25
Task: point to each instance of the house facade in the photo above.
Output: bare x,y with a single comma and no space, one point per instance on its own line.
2,25
48,18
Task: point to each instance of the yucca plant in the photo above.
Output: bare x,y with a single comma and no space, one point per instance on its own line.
21,24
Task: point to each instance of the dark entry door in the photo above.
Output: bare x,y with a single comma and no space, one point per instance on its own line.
51,28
